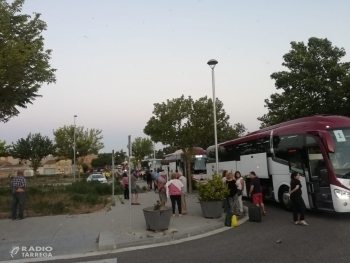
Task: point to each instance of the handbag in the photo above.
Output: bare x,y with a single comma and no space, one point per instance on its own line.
239,192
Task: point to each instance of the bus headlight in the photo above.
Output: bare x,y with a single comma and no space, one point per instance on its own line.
342,194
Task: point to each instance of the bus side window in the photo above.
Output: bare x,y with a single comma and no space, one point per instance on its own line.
282,144
295,162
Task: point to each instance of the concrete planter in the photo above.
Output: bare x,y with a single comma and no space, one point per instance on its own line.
211,209
157,220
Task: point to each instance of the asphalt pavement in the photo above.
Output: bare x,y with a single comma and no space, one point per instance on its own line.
325,240
68,236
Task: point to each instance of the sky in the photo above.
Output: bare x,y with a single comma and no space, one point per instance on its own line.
116,58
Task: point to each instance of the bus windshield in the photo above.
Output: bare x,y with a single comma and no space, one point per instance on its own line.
340,159
200,163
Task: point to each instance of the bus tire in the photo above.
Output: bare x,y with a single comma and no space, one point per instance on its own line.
284,198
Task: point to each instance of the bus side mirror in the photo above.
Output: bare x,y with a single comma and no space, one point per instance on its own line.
327,141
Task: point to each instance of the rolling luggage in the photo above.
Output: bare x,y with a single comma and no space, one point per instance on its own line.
228,219
254,214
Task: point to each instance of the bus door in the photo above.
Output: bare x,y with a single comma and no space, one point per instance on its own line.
318,181
297,160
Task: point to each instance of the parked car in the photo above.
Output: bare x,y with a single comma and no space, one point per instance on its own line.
97,177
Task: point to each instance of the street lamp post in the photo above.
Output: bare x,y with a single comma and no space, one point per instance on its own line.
74,167
212,63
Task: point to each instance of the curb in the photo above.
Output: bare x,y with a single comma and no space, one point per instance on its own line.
107,240
178,238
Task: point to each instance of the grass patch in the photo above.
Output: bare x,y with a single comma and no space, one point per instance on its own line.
77,198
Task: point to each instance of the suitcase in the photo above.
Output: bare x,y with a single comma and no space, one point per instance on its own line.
228,219
254,214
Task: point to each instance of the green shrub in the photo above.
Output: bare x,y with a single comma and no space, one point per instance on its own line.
103,189
144,188
57,208
92,199
78,198
5,191
41,207
84,176
213,190
194,185
35,190
81,187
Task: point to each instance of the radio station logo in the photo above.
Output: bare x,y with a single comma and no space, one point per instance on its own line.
31,251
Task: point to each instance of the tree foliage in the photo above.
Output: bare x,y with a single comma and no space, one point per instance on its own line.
317,82
120,157
102,160
4,149
185,124
87,142
166,150
141,147
24,64
105,159
34,148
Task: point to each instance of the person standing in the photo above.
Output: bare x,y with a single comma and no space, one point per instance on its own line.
160,183
255,192
225,203
149,180
134,194
155,175
223,178
297,200
183,192
125,183
18,184
233,197
173,190
240,187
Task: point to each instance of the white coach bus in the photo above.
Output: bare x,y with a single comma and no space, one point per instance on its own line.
317,147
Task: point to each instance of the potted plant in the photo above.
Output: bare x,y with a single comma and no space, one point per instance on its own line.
157,217
211,195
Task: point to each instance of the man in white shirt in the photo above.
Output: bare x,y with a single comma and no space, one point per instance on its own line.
183,192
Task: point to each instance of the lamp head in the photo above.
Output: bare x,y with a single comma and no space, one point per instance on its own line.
212,63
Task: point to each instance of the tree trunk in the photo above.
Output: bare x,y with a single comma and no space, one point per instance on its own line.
189,175
80,165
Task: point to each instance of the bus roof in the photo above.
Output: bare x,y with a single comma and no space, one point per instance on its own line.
196,150
297,126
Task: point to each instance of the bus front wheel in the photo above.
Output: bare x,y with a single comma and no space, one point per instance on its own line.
284,198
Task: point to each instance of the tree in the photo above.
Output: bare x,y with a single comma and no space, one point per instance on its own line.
34,148
169,149
202,118
120,157
102,160
159,154
87,142
24,63
141,147
185,124
317,82
4,149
